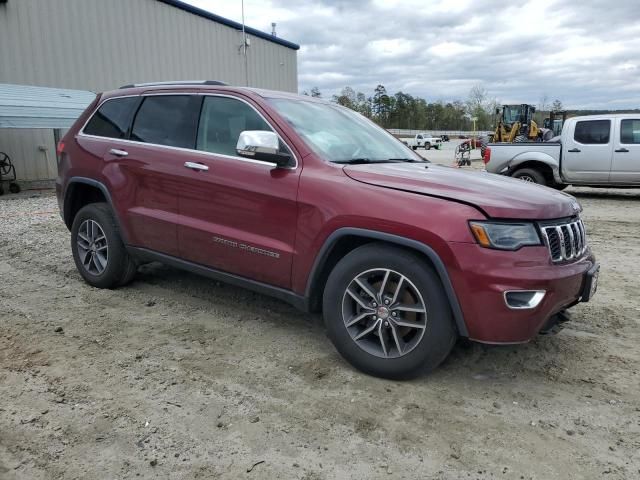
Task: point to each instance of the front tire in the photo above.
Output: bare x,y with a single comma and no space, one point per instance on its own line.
530,175
386,312
98,250
427,146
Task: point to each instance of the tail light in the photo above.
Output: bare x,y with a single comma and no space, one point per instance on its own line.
60,148
487,155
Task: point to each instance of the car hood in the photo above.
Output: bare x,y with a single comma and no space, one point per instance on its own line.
495,195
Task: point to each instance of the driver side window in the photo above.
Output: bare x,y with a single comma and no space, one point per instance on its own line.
221,122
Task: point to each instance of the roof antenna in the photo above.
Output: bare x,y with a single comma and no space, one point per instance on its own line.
273,29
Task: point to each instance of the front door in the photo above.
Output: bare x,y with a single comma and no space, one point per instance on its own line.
237,215
587,150
625,167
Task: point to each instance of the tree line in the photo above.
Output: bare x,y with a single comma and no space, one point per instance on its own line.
405,111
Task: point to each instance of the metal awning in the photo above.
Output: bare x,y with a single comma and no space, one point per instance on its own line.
26,106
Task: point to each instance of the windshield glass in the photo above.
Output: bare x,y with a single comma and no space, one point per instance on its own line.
511,114
341,135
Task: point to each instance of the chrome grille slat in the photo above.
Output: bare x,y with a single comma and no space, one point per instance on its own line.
566,241
572,245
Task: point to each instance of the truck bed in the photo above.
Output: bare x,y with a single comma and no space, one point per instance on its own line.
503,154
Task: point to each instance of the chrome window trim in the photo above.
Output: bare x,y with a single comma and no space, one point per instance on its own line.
233,157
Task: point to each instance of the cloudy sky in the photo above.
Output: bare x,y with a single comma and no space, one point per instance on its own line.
585,53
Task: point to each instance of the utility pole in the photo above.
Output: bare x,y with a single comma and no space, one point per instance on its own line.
244,49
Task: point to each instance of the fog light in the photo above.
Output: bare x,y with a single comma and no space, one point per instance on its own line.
523,299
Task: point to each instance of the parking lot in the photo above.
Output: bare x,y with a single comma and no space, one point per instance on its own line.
176,376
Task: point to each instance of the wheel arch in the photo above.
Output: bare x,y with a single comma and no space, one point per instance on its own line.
538,160
81,191
344,240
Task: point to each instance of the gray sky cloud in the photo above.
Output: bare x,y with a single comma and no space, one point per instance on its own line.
586,53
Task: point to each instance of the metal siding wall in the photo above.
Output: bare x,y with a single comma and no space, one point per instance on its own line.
99,45
22,146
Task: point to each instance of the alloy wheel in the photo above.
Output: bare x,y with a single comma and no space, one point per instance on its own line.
93,248
527,178
384,313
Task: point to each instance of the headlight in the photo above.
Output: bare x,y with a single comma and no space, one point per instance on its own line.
505,236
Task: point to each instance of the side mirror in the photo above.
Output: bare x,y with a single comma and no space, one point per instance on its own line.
262,145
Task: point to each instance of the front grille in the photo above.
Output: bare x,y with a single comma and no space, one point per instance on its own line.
566,241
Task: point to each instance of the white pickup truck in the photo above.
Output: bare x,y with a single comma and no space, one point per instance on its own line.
423,140
597,151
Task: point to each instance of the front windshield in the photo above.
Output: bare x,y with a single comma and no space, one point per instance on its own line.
511,114
341,135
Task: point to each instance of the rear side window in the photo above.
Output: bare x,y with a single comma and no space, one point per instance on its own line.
592,131
113,118
630,131
167,120
223,119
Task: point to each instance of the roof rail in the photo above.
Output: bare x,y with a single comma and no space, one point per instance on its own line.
176,82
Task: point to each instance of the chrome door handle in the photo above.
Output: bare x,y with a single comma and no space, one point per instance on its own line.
622,150
118,153
196,166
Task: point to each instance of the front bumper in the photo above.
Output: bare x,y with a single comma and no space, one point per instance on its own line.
481,276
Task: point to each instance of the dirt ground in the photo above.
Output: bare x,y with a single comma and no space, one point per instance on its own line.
176,376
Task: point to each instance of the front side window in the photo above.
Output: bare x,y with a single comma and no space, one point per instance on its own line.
630,131
592,132
167,120
113,118
222,121
341,135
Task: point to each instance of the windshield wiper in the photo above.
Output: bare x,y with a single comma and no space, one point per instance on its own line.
408,160
359,161
355,161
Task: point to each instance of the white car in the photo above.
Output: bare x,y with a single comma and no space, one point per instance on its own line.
423,140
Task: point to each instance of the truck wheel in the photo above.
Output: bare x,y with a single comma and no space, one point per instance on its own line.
386,312
427,146
414,147
530,175
97,247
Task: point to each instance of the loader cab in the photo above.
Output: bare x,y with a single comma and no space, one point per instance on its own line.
515,123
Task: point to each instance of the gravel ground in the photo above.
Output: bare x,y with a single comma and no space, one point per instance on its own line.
176,376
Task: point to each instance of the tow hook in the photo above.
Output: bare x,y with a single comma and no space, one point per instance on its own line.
556,323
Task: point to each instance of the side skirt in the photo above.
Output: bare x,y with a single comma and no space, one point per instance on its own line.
299,301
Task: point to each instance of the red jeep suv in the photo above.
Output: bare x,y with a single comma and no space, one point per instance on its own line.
312,203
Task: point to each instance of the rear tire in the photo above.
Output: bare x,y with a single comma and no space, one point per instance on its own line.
530,175
427,146
98,250
427,333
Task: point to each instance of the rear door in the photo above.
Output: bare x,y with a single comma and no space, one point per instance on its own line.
237,215
148,165
587,150
625,167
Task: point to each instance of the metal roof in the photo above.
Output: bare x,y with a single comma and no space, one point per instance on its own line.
230,23
26,106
